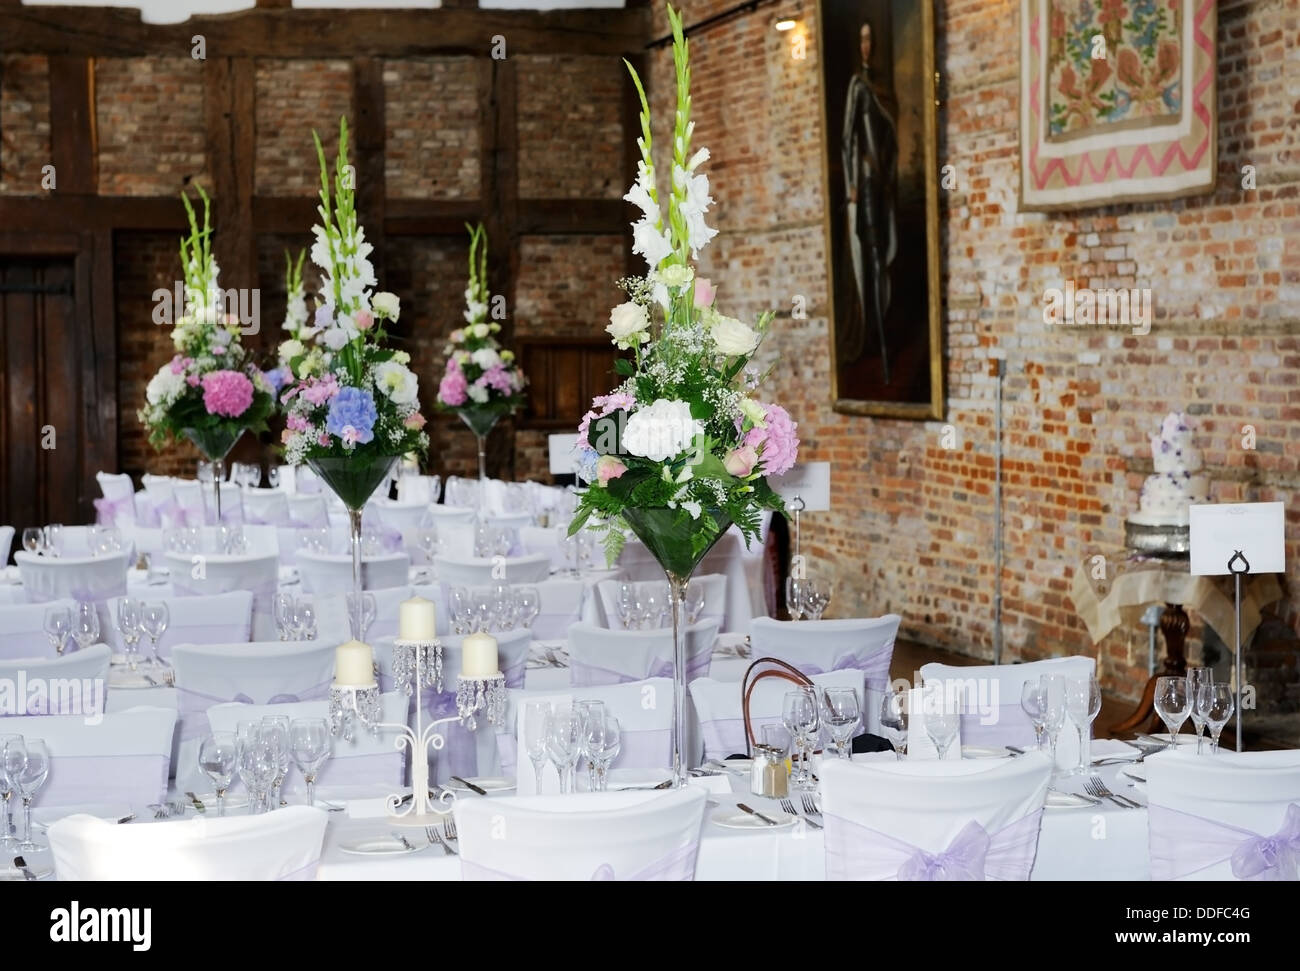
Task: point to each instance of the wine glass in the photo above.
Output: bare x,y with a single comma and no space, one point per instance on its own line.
842,715
52,539
563,744
1172,705
58,627
427,538
528,601
304,619
893,720
258,763
33,539
1217,703
627,604
654,603
536,726
1033,702
369,610
85,624
35,770
1053,687
942,717
217,758
461,608
1195,678
818,596
611,738
1082,703
694,603
128,624
795,594
309,740
283,613
154,618
275,729
13,756
273,476
592,714
801,716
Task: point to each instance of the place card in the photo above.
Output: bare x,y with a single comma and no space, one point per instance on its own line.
560,450
810,481
1218,530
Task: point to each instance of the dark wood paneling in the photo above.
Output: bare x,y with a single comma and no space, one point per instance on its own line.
371,137
228,108
564,374
270,32
74,149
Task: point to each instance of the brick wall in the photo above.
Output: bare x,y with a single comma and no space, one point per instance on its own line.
149,120
911,529
432,117
24,122
570,127
293,97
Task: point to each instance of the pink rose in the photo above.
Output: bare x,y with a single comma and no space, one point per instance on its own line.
704,292
364,320
608,467
415,421
286,435
740,462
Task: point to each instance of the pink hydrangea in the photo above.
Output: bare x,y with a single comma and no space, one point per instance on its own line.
600,407
778,445
453,389
227,393
317,391
497,377
297,423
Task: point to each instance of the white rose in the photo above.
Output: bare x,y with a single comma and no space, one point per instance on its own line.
165,387
661,430
485,357
480,330
628,323
478,393
397,382
289,350
754,411
732,337
386,304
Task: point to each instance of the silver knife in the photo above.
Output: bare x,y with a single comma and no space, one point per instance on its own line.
469,785
21,864
754,812
1015,751
198,803
126,819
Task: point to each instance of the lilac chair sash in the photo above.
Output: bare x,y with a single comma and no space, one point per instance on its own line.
97,779
554,627
874,666
111,512
857,852
146,511
171,515
726,736
193,706
677,865
583,675
1182,844
1010,726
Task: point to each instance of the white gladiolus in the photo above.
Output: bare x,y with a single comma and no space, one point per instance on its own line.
661,430
397,382
386,304
651,243
628,323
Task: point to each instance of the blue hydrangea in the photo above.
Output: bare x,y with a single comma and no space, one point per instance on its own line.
352,406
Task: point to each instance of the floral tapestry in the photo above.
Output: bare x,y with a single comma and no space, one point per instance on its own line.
1117,101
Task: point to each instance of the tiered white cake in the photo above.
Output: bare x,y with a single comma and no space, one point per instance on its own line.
1175,485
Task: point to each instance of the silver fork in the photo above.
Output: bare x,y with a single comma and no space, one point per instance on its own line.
1095,786
810,806
436,837
449,831
788,806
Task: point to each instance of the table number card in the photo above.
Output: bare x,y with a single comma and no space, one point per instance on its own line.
560,454
810,481
1257,529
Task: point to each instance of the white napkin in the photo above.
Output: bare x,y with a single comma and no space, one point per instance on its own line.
1112,748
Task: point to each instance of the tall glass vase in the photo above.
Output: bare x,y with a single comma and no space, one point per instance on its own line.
215,444
480,421
668,535
354,480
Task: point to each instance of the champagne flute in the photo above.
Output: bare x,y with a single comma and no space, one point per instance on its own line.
1082,703
1217,702
309,739
218,756
627,605
85,624
842,715
13,756
275,729
154,618
536,726
35,770
58,627
1172,705
564,744
893,720
592,714
1053,710
283,612
800,716
1196,677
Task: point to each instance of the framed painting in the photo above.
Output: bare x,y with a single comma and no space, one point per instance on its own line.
1117,101
882,209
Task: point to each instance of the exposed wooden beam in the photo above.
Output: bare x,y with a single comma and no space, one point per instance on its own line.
542,217
228,110
273,32
74,149
100,402
371,142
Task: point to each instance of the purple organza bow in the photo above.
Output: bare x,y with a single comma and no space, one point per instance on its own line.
1275,857
172,514
677,865
1183,843
874,666
284,699
108,510
603,872
963,860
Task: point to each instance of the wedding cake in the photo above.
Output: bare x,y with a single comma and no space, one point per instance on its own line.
1176,483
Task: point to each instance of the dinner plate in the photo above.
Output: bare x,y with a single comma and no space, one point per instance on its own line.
378,846
1065,800
487,783
736,819
983,752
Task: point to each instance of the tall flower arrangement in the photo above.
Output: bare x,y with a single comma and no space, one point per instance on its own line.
209,392
683,447
482,381
297,325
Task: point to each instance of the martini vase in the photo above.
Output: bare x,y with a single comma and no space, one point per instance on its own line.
668,535
480,421
215,444
354,480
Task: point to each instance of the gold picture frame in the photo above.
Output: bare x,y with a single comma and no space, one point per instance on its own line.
863,381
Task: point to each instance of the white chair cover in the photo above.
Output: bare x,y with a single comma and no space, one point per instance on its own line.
452,515
366,760
561,602
1234,816
260,673
267,507
543,540
6,543
190,509
719,708
92,578
222,618
22,629
117,507
814,646
419,488
232,504
334,625
644,710
74,684
509,520
598,655
120,759
715,598
331,573
597,836
991,714
974,819
196,575
477,571
745,598
283,845
309,510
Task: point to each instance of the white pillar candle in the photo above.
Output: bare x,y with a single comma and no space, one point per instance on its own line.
416,620
478,656
354,665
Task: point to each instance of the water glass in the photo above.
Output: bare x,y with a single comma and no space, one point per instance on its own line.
217,758
85,624
52,539
1217,703
282,611
1196,677
801,717
1173,705
154,618
564,744
129,626
796,591
893,720
1033,702
841,714
942,717
1082,703
13,756
818,596
58,627
309,742
33,539
30,778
